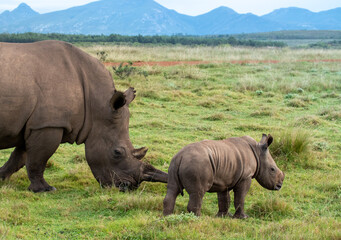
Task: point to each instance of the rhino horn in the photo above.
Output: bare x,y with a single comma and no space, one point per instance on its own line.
139,153
151,174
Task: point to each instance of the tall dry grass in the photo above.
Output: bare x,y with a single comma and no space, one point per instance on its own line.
118,53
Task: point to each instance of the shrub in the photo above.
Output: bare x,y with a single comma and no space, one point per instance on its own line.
124,70
102,55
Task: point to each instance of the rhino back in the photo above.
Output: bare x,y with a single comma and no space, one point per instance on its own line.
46,84
228,161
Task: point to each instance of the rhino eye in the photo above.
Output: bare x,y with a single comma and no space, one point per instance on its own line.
272,169
117,152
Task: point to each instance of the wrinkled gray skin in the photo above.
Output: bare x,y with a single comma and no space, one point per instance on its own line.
52,92
221,166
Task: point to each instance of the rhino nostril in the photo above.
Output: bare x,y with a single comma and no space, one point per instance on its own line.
278,187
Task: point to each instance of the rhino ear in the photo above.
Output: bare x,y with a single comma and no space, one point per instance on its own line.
130,94
117,101
139,153
266,141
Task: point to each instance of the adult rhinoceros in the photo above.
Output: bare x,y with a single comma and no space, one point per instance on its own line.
52,92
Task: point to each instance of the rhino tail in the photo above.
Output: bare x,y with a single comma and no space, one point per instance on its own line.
174,177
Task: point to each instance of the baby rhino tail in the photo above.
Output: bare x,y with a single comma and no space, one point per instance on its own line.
174,181
174,186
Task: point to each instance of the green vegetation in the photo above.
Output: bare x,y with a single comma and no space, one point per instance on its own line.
125,70
297,102
293,34
158,40
298,38
330,44
295,38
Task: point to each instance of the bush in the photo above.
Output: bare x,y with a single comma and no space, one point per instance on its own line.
124,70
102,55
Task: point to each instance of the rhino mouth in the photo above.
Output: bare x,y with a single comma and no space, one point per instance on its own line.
278,187
126,186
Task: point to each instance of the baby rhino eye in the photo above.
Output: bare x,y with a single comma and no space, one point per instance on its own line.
272,169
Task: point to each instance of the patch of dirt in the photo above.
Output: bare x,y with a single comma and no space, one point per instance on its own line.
173,63
161,63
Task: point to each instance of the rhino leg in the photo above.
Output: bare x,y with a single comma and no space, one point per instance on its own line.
223,204
240,192
40,146
195,202
15,162
169,201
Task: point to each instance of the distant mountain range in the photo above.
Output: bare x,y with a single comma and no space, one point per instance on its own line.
147,17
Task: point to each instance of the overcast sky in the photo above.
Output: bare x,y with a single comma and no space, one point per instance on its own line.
189,7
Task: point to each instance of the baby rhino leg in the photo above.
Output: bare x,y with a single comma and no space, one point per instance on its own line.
195,202
196,183
169,201
240,192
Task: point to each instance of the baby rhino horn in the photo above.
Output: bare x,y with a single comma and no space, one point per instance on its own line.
140,152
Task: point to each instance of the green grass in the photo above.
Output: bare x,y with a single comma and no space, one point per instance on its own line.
297,102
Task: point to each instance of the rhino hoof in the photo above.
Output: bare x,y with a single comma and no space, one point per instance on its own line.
240,216
46,189
224,214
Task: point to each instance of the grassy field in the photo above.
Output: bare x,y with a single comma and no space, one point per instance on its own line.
299,103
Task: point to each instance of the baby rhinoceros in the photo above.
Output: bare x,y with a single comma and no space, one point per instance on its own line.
221,166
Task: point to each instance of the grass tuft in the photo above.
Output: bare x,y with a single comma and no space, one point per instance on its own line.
310,120
270,208
293,146
331,114
178,219
216,117
297,103
79,159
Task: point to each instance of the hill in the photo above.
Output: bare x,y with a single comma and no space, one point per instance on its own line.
147,17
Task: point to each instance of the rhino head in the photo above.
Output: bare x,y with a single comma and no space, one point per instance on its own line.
269,175
110,154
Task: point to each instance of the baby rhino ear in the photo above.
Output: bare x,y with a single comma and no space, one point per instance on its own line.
266,140
270,140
